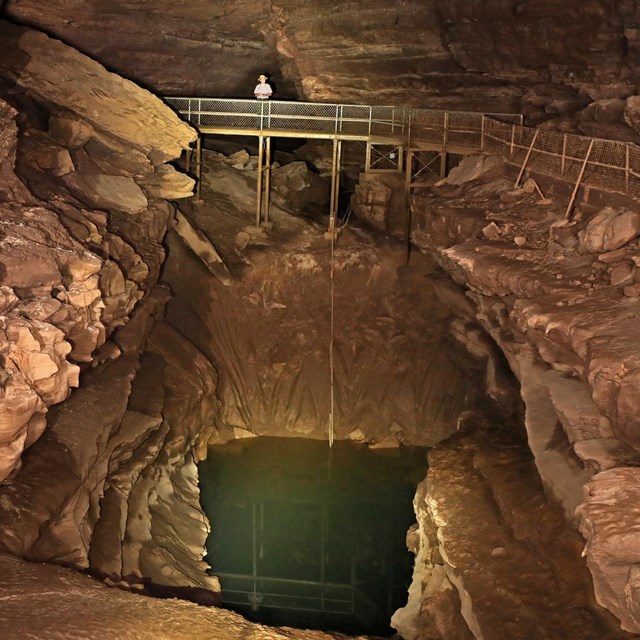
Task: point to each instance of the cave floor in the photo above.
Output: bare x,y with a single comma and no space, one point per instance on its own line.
40,601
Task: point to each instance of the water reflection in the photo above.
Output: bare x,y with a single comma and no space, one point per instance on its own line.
308,536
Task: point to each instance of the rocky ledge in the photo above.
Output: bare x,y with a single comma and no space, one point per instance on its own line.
559,295
84,211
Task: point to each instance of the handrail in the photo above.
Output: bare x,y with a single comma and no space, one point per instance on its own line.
340,119
612,165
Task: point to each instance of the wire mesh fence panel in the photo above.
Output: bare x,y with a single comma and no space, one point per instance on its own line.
355,120
464,130
606,167
605,164
426,127
303,116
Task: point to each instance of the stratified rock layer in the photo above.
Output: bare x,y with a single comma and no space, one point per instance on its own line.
559,298
546,59
513,562
83,215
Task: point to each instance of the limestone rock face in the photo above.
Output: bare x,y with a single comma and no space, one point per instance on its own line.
556,299
609,524
64,294
495,55
502,546
83,218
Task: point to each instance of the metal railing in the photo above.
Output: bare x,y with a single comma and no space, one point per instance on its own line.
297,595
364,121
610,165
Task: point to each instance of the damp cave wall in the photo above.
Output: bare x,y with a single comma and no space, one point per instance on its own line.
163,461
117,376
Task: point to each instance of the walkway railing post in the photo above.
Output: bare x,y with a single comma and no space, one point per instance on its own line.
370,119
564,155
482,122
513,140
445,141
626,169
579,180
524,164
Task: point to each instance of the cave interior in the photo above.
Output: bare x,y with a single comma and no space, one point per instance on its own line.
179,288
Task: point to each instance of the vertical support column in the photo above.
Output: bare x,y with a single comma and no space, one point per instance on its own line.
324,529
187,158
407,189
259,187
367,160
199,168
400,157
267,179
254,558
482,125
336,202
334,187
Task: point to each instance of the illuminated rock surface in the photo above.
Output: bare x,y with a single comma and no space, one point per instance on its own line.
234,340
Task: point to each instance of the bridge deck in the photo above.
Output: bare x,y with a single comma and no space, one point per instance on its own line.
297,133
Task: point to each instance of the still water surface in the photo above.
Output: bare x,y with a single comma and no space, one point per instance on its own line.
307,536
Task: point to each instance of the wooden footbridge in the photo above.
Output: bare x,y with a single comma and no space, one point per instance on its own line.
414,141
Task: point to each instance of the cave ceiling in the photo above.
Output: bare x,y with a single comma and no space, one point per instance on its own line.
547,58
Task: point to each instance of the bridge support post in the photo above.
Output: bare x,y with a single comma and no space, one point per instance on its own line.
335,183
407,186
198,164
259,187
267,178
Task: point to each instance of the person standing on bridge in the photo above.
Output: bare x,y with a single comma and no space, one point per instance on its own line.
263,90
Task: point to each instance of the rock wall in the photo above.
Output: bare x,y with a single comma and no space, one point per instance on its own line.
266,323
84,211
558,298
549,60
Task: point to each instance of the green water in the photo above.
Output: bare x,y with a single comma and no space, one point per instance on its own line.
307,536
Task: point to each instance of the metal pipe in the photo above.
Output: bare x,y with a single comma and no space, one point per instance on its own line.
338,172
332,211
259,186
407,191
524,164
267,180
199,168
578,181
445,141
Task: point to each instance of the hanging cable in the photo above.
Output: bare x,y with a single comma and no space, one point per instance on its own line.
331,376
